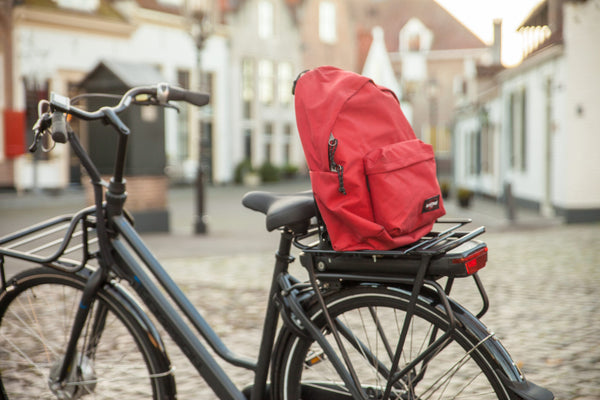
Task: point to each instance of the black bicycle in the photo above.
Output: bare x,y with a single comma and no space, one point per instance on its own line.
365,325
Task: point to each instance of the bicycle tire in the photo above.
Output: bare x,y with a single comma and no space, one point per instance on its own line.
37,309
461,369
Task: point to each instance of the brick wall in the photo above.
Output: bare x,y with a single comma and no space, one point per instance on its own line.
144,193
7,174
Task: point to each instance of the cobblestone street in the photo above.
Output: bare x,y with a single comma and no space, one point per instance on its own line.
542,278
543,287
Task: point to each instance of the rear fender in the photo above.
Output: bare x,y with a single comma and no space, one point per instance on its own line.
507,370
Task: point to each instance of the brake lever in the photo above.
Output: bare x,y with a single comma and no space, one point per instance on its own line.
173,106
36,139
44,122
153,101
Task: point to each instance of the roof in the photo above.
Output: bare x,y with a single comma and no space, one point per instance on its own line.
234,5
156,5
129,74
484,71
104,10
548,13
537,17
392,15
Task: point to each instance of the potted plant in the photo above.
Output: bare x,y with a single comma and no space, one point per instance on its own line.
445,189
289,171
269,172
464,197
246,174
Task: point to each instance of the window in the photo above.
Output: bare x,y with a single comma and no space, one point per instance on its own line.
287,148
473,152
265,82
284,84
183,78
248,144
266,26
518,126
327,22
34,92
268,141
487,143
414,42
247,87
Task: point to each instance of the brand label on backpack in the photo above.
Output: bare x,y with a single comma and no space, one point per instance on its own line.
432,203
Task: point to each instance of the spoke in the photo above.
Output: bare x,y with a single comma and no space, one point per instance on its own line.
26,328
121,378
327,387
382,334
349,335
25,357
375,357
445,378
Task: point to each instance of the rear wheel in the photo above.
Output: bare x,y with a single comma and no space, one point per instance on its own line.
116,358
370,320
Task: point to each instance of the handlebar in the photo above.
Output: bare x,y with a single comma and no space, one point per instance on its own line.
195,98
160,94
52,119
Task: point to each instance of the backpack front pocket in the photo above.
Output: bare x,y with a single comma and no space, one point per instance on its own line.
403,186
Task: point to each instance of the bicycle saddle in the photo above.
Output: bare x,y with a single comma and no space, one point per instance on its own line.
293,211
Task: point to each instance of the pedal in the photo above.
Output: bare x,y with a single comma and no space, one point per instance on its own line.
314,358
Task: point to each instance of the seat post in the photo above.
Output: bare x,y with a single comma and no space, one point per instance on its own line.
282,261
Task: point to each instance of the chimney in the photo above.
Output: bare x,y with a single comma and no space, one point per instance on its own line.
497,45
555,17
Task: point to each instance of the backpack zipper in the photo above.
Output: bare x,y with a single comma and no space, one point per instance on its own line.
333,166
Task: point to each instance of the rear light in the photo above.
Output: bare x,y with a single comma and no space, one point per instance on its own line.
473,262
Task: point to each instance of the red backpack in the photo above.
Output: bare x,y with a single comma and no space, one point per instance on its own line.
374,182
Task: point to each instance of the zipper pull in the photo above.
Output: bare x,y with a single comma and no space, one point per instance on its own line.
331,147
333,166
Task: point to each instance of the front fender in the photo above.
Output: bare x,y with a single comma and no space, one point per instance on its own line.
135,310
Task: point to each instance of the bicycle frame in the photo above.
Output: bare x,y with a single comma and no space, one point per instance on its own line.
125,244
122,253
118,242
123,237
177,328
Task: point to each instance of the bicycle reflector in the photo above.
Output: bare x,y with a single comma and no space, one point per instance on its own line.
473,262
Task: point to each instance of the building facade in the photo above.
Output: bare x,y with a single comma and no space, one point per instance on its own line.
251,60
532,128
429,51
55,44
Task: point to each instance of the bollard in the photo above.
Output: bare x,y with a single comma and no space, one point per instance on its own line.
509,202
200,227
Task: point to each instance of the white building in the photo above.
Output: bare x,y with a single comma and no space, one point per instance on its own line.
535,127
427,49
252,61
56,43
251,54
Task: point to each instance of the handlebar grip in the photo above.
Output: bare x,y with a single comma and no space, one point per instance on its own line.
59,127
196,98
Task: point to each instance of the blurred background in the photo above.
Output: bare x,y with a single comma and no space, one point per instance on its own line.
506,92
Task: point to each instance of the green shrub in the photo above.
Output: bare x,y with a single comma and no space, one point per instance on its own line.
289,171
464,197
269,172
243,168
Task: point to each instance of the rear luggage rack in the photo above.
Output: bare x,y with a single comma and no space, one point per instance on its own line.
448,253
452,252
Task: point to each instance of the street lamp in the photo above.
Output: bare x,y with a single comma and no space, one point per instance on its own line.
200,31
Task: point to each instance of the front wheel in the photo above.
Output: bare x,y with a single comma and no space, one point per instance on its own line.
370,319
116,358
